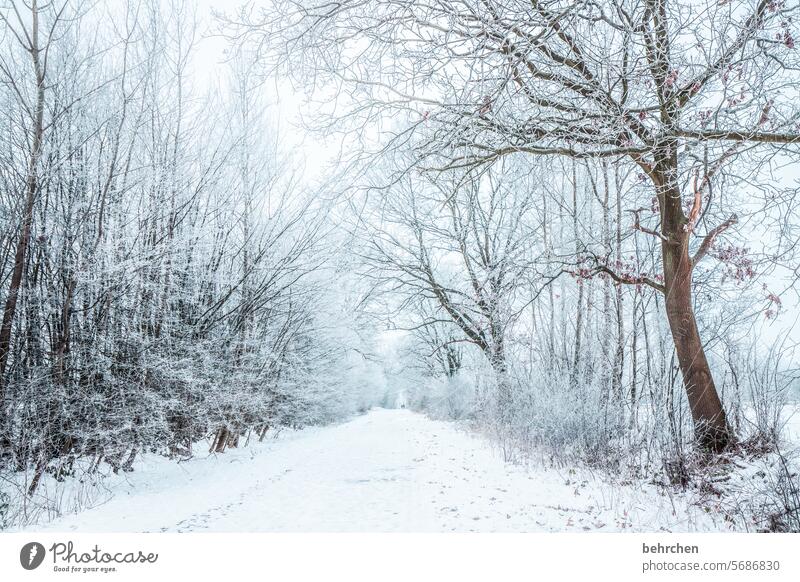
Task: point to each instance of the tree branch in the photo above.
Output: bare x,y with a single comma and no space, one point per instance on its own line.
625,280
710,237
738,135
639,227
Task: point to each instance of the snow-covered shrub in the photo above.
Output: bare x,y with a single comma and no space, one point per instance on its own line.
551,418
758,391
784,490
753,493
180,285
447,397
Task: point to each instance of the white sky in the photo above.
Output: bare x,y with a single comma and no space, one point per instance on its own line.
210,69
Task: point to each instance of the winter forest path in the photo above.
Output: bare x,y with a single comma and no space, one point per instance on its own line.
389,470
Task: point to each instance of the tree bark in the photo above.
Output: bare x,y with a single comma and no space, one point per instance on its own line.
41,465
576,357
222,440
497,360
710,422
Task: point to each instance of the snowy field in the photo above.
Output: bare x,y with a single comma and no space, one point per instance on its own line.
386,471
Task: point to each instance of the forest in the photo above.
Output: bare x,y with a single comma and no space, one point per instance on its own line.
570,226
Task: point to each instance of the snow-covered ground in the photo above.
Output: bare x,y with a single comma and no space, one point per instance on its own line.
389,470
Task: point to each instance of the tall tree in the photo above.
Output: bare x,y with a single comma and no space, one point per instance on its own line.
465,248
642,81
26,30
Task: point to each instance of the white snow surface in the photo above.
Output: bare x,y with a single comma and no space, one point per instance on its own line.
386,471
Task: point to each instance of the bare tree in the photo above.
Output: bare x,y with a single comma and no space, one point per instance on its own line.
649,82
27,32
164,265
465,248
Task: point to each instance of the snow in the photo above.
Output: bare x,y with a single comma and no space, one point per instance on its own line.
388,470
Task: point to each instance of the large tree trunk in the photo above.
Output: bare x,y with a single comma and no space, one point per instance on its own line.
710,423
497,359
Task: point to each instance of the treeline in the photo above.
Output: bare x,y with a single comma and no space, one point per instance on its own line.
158,259
509,333
638,144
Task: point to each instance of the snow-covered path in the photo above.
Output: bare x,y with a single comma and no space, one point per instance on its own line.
389,470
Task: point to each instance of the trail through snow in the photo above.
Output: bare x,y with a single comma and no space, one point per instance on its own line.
389,470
